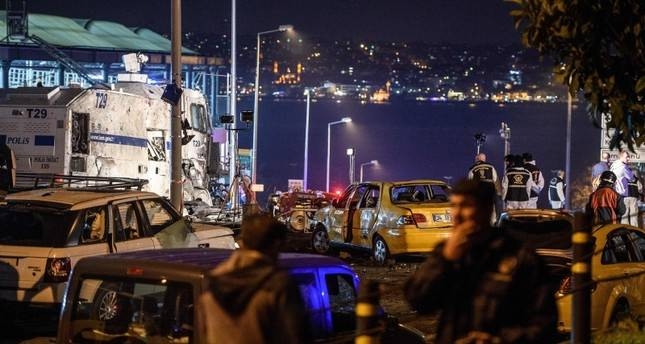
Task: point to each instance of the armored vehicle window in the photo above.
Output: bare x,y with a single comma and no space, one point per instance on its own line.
160,311
198,117
31,226
80,133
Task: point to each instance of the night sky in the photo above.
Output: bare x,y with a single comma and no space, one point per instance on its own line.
471,22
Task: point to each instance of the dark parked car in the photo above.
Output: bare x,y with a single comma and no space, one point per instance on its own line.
138,297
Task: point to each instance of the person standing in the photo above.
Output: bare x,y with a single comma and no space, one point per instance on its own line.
597,169
484,172
624,174
488,287
536,175
634,194
605,204
556,190
249,299
516,185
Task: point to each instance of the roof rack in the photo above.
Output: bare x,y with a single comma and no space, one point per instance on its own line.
29,181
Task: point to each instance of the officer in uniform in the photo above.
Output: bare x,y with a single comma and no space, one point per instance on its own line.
482,171
536,175
556,190
516,185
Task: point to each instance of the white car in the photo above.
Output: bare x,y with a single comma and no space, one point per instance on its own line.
44,232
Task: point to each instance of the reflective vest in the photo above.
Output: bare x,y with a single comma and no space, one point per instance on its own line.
483,172
518,179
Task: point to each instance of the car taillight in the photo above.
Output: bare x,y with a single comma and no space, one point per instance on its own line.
411,219
58,269
418,218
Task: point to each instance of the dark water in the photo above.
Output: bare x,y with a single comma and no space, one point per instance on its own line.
412,140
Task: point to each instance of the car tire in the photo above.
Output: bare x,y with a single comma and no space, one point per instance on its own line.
621,317
112,308
320,242
380,251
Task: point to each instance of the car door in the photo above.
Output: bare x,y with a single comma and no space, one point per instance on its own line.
351,217
367,213
337,216
165,225
637,239
127,226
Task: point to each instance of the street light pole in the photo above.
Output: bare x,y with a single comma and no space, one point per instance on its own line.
343,120
176,188
351,153
505,133
256,98
306,162
373,162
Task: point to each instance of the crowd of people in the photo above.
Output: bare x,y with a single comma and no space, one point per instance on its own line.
521,183
617,190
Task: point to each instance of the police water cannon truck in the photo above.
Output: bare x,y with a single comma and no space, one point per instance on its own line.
120,130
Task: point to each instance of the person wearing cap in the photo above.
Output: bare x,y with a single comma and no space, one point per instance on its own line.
556,190
536,175
605,204
249,299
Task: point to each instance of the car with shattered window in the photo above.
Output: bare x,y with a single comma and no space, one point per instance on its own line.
385,218
149,296
617,265
45,231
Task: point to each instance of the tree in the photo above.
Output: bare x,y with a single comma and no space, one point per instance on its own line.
599,48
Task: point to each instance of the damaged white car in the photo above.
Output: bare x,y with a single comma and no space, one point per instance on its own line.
44,232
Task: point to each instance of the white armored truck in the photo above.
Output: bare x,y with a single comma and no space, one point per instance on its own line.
120,130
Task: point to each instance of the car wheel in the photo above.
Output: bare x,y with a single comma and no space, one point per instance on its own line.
621,317
320,240
113,308
380,252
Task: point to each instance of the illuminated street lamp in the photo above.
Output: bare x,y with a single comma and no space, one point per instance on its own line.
373,162
351,153
254,150
343,120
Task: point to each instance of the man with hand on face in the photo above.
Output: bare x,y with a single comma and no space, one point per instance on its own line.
489,287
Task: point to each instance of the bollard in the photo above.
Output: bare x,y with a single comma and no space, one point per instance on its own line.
368,327
581,277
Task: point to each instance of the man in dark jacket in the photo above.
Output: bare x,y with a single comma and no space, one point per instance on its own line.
488,287
250,300
605,204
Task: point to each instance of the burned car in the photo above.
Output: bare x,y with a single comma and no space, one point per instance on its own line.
385,218
45,232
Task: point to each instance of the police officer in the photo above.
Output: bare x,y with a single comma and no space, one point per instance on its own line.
516,185
482,171
556,190
536,175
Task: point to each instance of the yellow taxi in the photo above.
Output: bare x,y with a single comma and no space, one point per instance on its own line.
617,266
386,218
618,272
